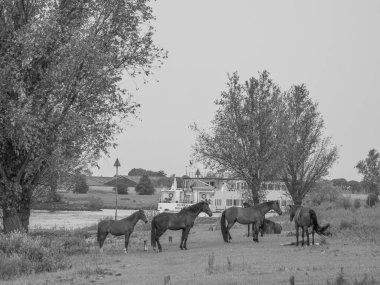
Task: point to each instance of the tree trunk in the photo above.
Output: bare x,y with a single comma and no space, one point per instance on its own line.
11,221
255,188
16,207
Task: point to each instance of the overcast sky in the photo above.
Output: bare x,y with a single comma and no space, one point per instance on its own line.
331,46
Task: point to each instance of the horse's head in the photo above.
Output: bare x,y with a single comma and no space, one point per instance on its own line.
206,208
276,207
142,216
291,213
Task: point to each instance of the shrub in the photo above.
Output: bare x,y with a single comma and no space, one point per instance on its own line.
122,189
344,203
145,187
356,203
95,203
24,254
345,225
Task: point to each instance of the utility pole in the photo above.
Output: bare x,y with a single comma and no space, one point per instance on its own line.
117,165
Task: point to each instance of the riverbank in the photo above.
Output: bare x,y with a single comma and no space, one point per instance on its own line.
95,200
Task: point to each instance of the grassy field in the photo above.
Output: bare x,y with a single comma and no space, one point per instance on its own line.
102,199
351,255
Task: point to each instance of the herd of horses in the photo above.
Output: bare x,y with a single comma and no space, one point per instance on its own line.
303,217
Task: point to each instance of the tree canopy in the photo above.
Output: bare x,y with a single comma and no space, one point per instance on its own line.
60,100
145,186
246,133
370,169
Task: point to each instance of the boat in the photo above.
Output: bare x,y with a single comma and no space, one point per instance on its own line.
220,193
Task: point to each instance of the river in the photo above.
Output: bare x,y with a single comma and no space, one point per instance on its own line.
71,219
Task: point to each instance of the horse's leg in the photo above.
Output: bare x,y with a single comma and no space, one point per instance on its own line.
312,235
303,236
159,232
256,228
307,236
248,230
126,241
229,226
182,238
187,231
297,232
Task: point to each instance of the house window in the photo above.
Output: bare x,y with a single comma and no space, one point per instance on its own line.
236,202
263,186
270,186
229,202
277,186
218,202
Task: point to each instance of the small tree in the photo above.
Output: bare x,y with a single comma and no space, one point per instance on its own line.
80,184
122,189
145,186
370,169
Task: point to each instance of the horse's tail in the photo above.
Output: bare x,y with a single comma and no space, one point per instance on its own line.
223,227
153,233
317,228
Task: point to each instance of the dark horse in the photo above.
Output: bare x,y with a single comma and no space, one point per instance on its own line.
183,220
252,215
118,228
305,218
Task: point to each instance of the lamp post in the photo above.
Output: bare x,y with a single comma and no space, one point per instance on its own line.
116,164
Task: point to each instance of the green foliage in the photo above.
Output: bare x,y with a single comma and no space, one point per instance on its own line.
80,184
141,172
344,202
122,189
22,254
246,137
357,204
324,191
145,187
370,169
95,203
309,155
60,98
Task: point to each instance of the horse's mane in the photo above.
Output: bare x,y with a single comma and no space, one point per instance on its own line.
133,215
193,208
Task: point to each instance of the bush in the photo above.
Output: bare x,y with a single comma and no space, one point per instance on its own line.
344,203
122,189
356,203
24,254
95,203
145,187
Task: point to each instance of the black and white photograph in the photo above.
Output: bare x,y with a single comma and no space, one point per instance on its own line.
189,142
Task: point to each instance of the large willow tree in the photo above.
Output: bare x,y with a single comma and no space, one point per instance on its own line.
60,65
246,137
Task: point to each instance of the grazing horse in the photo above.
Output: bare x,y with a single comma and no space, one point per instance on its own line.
183,220
252,215
118,228
270,227
305,218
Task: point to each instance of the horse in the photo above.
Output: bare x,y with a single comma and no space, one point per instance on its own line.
305,218
252,215
183,220
270,227
118,228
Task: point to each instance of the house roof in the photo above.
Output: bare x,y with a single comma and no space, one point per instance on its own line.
97,180
121,180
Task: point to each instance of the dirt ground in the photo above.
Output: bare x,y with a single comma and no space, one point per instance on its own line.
240,262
